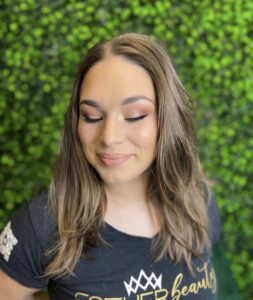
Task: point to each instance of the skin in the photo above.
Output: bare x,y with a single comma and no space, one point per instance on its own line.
111,123
12,290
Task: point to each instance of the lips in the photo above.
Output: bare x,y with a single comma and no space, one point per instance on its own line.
113,159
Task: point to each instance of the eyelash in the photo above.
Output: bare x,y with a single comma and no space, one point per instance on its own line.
90,120
136,118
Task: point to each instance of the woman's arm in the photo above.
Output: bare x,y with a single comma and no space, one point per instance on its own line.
12,290
41,296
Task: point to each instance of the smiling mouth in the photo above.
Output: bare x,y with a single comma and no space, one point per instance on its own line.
113,159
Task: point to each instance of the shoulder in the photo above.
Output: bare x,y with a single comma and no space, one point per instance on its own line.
25,240
42,219
34,218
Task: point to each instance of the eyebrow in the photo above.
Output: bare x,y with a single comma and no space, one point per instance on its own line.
129,100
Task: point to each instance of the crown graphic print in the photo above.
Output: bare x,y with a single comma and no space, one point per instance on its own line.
143,282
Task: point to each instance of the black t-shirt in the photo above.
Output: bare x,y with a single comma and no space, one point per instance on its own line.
124,270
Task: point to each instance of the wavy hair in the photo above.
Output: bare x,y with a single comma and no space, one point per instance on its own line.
76,193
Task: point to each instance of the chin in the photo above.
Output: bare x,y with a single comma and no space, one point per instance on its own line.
120,178
115,179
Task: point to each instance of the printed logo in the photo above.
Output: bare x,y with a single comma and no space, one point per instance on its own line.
7,241
143,282
176,288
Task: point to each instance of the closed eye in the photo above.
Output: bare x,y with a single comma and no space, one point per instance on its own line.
91,120
94,120
136,118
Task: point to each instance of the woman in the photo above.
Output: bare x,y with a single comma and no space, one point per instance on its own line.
129,214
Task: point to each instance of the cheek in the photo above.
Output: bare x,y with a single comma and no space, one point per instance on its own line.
85,135
145,135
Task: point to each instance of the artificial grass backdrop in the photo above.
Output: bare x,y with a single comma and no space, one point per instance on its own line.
211,45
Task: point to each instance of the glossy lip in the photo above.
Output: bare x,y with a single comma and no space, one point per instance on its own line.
113,159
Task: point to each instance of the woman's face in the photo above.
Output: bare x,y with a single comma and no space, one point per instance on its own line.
118,122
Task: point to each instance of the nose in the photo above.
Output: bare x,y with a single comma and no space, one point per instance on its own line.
112,132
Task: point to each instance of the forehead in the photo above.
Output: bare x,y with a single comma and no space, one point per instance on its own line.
116,78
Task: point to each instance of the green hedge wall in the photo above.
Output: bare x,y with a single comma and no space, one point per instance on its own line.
211,44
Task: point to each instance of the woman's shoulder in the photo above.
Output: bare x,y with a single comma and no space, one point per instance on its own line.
35,219
42,219
39,210
25,240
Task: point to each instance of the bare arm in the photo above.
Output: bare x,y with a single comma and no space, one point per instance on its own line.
12,290
41,296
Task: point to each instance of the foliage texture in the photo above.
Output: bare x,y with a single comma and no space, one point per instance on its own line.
42,43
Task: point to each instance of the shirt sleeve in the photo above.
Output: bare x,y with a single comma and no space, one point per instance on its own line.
22,253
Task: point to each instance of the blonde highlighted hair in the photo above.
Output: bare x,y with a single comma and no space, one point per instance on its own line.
76,192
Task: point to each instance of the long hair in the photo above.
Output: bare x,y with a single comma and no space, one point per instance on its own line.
76,193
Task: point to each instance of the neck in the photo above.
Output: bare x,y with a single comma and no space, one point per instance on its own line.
129,209
127,194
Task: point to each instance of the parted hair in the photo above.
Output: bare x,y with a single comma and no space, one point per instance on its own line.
76,195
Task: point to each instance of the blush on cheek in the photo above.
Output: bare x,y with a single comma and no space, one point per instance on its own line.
144,134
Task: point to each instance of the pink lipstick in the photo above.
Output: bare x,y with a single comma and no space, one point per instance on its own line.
113,159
